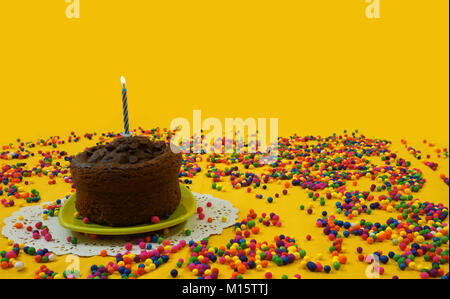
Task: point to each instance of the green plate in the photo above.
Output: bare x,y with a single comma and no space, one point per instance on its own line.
185,210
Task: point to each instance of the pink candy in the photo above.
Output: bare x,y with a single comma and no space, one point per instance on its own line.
11,255
128,246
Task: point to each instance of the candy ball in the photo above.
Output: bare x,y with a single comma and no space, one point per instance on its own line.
19,266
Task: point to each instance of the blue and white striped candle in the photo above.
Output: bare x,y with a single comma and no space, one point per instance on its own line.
126,133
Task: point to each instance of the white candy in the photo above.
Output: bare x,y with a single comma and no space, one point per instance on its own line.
76,274
51,257
19,266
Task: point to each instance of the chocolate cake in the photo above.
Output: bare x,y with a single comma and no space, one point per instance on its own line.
126,182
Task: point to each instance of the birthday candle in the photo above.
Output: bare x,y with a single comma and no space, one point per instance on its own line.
125,107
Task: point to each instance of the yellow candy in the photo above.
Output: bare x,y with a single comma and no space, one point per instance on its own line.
148,262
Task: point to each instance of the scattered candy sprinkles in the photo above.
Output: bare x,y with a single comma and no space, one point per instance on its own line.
345,179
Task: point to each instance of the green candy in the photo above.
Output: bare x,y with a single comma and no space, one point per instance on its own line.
31,251
251,224
336,265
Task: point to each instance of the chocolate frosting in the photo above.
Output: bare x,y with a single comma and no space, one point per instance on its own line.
123,150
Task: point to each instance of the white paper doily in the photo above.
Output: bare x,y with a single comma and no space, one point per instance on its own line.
113,245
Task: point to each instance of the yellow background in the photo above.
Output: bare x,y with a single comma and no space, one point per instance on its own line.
319,66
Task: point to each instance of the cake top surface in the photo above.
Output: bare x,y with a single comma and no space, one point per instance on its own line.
123,150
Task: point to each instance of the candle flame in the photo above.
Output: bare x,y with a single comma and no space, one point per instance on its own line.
122,81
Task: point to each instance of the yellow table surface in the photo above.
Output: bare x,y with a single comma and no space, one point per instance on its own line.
296,223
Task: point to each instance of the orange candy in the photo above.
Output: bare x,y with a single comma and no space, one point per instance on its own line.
127,260
4,265
141,271
241,269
